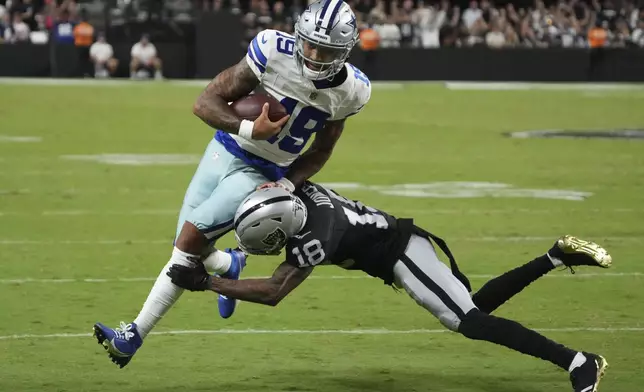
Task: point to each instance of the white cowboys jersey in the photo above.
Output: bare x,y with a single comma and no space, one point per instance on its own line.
310,103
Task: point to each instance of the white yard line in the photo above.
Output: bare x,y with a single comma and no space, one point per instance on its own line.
452,85
67,82
126,82
532,211
542,238
401,211
506,86
92,191
313,332
11,242
22,173
145,279
578,275
20,139
84,242
159,212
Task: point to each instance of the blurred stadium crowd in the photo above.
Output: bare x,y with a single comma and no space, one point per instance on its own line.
388,24
408,23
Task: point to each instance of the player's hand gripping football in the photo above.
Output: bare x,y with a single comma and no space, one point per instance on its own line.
193,278
264,128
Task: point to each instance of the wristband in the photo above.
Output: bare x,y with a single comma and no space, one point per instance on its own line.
246,129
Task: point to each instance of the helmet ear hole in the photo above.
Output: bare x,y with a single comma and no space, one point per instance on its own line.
278,219
256,224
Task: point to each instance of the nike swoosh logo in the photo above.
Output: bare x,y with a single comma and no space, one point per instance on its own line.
264,39
115,351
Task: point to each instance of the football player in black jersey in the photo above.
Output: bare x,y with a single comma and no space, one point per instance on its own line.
319,227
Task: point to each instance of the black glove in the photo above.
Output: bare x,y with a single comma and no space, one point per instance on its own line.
190,278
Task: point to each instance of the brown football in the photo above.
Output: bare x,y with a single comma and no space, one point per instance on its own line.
250,107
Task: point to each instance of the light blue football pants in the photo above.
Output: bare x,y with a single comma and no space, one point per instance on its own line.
218,187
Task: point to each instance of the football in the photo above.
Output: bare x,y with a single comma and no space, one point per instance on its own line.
250,107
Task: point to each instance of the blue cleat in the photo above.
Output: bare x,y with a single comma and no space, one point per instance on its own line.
227,305
121,343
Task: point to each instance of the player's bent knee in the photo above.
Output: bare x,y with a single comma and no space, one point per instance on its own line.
450,320
483,303
476,324
191,240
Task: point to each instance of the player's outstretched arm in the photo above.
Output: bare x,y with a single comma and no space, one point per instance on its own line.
309,163
231,84
262,291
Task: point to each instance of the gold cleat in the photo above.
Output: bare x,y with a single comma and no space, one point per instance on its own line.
602,365
573,251
587,377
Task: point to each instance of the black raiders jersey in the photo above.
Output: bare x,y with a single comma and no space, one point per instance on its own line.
348,234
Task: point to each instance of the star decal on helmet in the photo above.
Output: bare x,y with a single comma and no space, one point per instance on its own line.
352,22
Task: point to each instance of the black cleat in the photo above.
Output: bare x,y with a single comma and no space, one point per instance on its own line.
573,251
586,378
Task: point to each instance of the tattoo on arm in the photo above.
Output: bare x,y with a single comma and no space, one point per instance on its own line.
263,291
230,85
309,163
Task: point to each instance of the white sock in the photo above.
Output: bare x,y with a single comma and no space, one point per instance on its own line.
555,261
218,262
162,296
579,360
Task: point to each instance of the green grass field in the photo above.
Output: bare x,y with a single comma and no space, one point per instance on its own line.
81,241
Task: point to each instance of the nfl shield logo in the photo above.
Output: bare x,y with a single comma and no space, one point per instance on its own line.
313,95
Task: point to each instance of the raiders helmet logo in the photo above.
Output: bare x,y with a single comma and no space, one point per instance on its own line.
276,239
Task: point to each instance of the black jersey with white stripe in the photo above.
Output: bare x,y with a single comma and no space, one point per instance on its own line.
347,233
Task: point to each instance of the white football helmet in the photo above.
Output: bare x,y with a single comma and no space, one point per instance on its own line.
328,26
266,219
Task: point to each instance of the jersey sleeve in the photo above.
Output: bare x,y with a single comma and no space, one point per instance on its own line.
260,51
359,94
313,245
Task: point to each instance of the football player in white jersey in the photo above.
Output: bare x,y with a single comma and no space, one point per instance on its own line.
309,75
